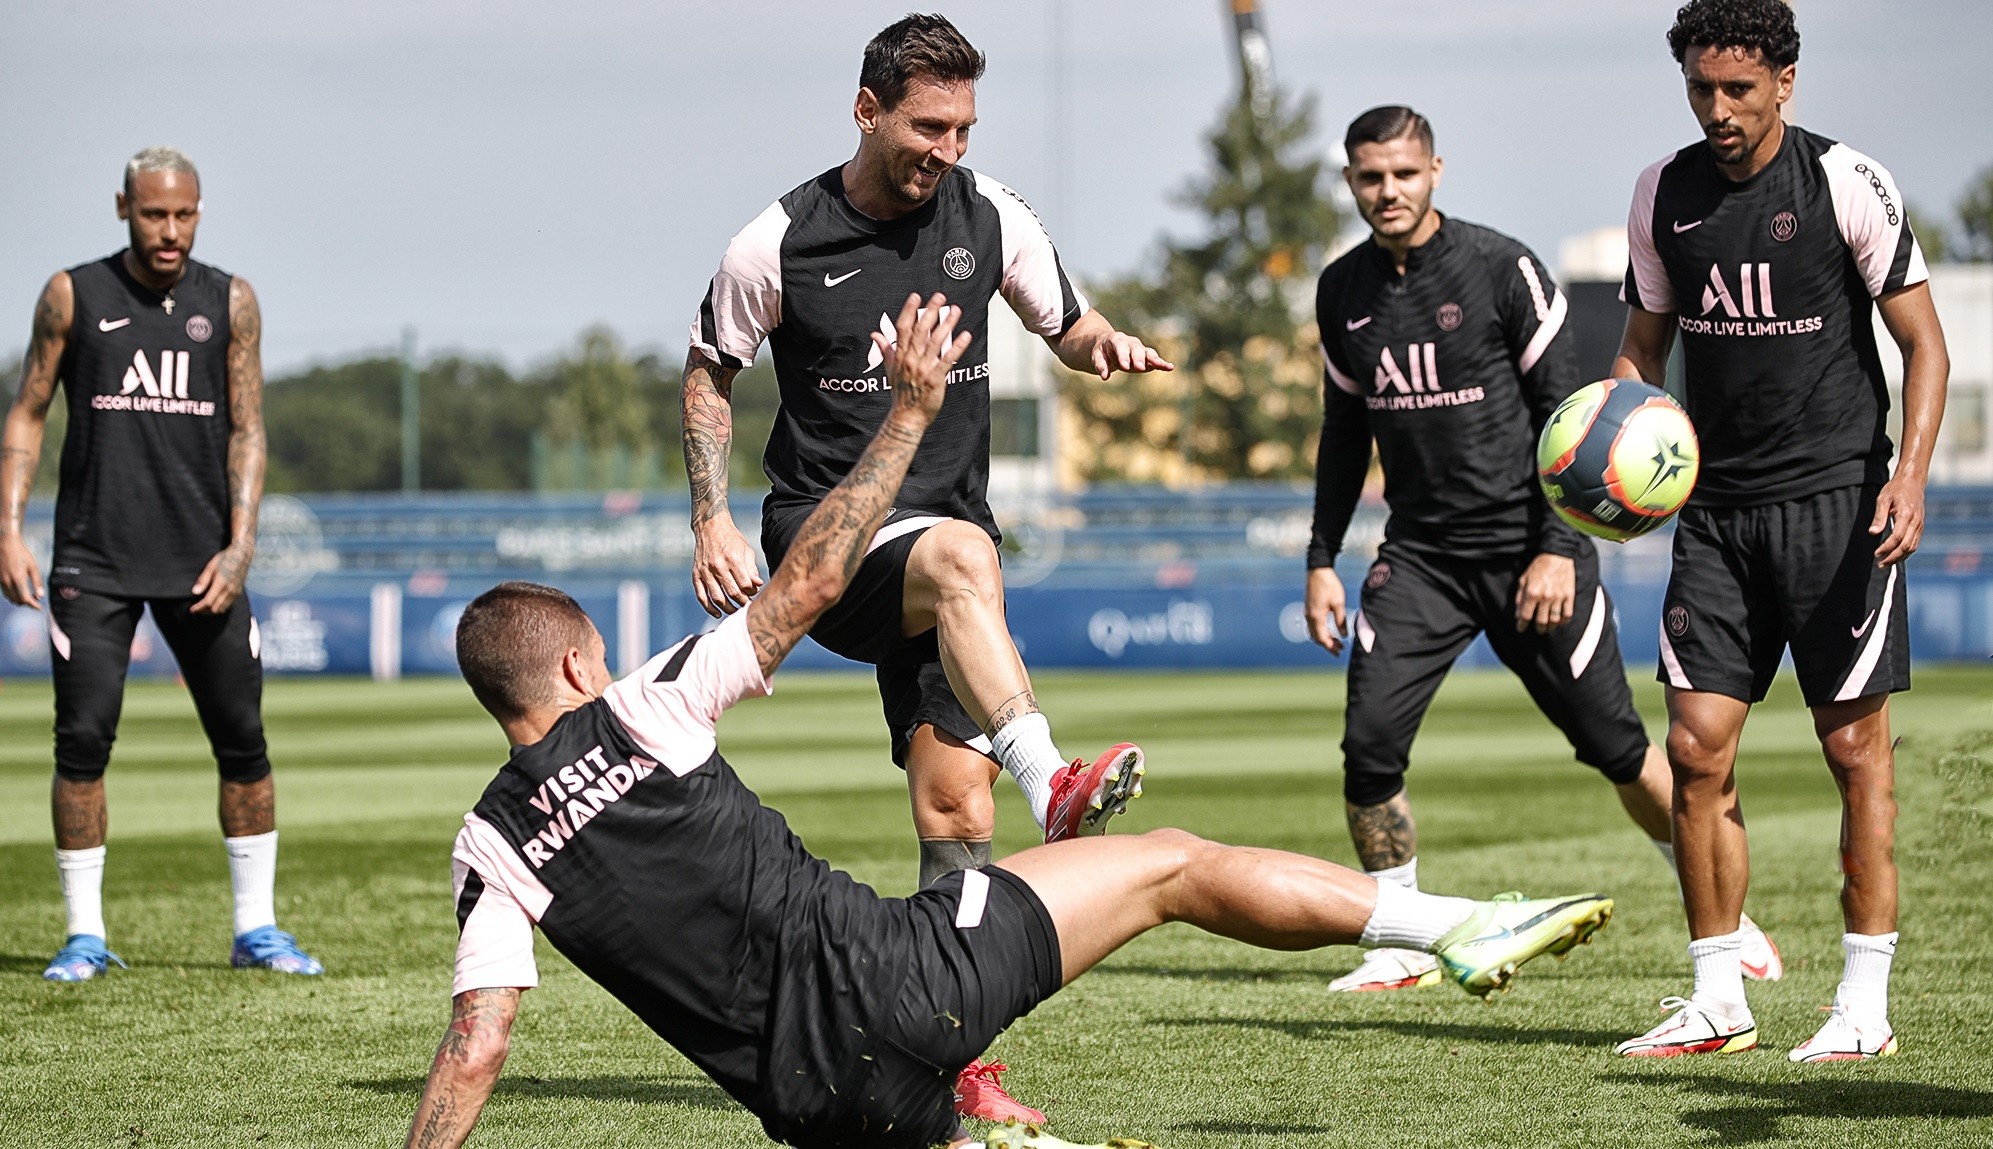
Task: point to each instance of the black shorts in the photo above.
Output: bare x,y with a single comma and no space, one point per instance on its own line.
865,626
90,636
1750,581
984,953
1421,610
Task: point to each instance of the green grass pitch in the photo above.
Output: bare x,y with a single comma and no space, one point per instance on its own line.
1183,1039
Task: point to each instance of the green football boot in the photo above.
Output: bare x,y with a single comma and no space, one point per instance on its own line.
1482,954
1014,1136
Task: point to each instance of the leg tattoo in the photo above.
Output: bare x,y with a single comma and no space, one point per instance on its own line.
1385,834
1010,710
248,808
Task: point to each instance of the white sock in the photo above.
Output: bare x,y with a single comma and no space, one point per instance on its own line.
1864,992
1719,974
82,874
1025,748
1667,851
1411,920
1406,875
252,870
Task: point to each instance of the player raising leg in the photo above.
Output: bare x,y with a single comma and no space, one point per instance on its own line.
838,1017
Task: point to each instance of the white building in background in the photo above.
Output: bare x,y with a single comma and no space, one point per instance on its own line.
1963,293
1024,411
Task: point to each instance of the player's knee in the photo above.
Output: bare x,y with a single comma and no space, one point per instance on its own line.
1369,783
75,770
1695,759
243,769
959,559
1857,758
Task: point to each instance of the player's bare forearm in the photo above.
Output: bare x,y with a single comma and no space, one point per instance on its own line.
832,541
1092,344
465,1069
1912,321
707,409
1643,349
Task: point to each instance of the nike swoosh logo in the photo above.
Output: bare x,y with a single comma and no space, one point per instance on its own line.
829,282
112,324
1682,227
1353,324
1858,631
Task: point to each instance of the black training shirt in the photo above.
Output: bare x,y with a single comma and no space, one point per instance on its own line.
816,278
1771,280
632,845
1453,367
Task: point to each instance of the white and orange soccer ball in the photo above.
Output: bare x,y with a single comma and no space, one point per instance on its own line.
1617,459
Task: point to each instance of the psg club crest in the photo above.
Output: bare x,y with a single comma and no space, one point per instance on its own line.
1785,225
1678,620
1450,316
1380,573
199,328
958,263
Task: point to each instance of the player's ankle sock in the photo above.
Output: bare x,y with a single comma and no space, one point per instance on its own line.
940,856
1411,920
1666,850
1719,974
252,870
82,874
1864,992
1025,748
1406,875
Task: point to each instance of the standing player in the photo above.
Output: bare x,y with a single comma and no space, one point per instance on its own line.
816,275
1445,342
162,473
1763,245
836,1016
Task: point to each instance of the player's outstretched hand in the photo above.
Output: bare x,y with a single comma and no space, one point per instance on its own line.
1899,511
221,580
1324,605
724,573
1120,351
927,349
1547,593
20,578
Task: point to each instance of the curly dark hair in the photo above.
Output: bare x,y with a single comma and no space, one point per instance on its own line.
1765,26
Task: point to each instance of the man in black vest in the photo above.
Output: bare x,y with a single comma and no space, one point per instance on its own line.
162,473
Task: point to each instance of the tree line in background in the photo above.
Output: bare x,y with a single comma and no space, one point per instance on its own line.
1233,308
598,417
1967,237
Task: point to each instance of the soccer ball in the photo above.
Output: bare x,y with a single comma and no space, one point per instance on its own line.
1617,459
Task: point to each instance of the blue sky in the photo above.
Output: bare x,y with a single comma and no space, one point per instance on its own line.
501,173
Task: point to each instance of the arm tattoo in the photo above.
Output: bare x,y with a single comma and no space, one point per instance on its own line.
248,451
21,446
1011,709
707,407
831,544
465,1069
1385,834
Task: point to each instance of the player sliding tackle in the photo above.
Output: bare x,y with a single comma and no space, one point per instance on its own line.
840,1018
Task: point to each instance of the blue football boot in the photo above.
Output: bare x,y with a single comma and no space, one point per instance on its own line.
81,958
267,947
